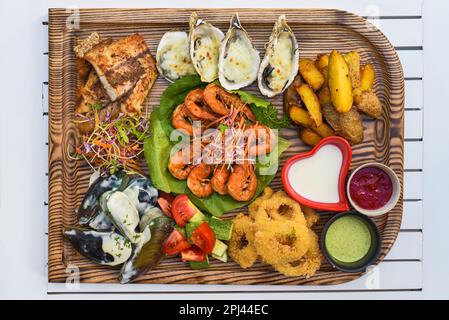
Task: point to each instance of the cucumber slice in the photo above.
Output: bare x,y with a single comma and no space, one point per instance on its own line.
220,248
199,264
223,258
222,228
198,217
190,227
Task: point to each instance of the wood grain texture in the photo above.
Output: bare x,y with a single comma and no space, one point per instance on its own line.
318,31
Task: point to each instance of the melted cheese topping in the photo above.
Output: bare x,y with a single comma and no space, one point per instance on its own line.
174,58
282,62
206,54
238,66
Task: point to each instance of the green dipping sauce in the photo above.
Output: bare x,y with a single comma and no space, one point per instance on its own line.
348,239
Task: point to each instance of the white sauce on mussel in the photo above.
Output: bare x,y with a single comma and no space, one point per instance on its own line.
148,252
90,204
129,271
141,193
280,64
173,56
205,41
239,61
101,222
106,248
123,214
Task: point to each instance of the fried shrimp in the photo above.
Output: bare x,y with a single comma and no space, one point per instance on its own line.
198,181
220,179
179,165
242,182
241,245
307,265
279,242
221,101
280,207
260,140
195,105
180,120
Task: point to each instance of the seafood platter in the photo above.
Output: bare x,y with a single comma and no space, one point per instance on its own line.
222,146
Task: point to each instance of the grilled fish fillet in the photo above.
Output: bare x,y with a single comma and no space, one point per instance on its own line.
133,102
90,89
122,64
90,93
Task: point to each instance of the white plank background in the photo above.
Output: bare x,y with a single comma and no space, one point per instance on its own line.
402,271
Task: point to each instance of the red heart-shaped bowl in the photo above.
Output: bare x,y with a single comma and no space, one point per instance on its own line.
346,151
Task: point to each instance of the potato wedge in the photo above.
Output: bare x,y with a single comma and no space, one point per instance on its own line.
291,98
347,125
367,77
325,72
311,102
352,58
324,130
322,61
351,126
324,96
310,73
340,82
309,137
301,117
368,103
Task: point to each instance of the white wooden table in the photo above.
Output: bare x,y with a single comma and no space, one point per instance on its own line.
413,269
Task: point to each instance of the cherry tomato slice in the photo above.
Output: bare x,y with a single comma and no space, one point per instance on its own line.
175,243
183,210
193,254
165,201
204,238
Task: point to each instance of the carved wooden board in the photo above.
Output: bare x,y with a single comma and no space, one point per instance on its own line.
317,31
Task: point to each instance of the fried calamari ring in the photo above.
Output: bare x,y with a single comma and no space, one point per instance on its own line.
280,242
241,245
307,265
280,208
310,215
252,208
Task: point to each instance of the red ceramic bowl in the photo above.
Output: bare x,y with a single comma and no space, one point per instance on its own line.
346,151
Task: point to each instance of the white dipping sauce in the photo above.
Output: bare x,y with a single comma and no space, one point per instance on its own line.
316,178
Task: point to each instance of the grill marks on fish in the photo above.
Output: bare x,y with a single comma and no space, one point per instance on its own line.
91,92
123,71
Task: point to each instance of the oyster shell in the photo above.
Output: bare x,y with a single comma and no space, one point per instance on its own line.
280,64
107,248
205,41
239,61
173,56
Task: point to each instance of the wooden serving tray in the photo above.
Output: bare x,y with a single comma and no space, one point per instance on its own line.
317,31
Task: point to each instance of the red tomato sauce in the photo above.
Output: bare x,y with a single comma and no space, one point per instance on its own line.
371,188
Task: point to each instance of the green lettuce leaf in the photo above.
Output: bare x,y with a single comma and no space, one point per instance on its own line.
157,149
251,99
264,111
173,96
